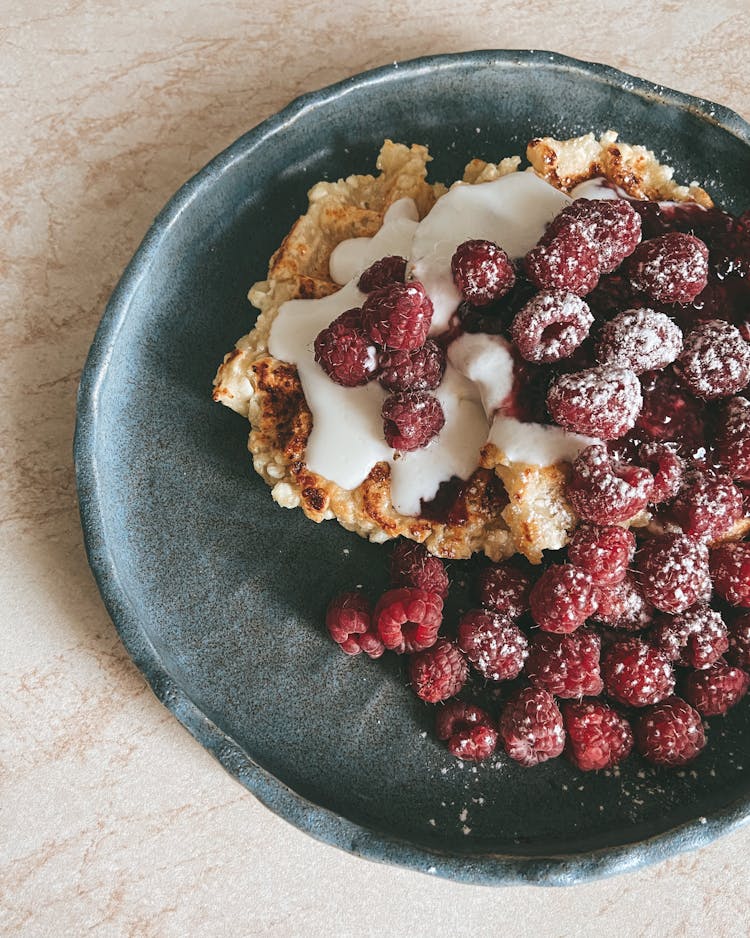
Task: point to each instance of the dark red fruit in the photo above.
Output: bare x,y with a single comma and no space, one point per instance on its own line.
398,315
482,271
493,644
551,326
694,639
421,369
730,572
387,270
708,506
611,226
623,607
714,691
413,565
562,598
606,491
673,572
505,588
349,621
597,737
345,353
733,438
566,262
667,468
669,414
672,268
470,732
411,419
566,665
439,672
636,674
639,339
739,642
603,402
602,552
715,361
408,619
531,727
670,733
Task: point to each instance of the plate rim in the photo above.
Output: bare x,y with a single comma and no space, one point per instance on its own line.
316,820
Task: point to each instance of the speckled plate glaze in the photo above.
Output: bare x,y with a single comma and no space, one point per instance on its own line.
219,595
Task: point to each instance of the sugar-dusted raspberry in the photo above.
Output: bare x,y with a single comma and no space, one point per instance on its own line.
669,413
438,672
387,270
715,360
612,227
567,261
715,690
413,565
562,598
673,572
597,737
669,733
739,642
504,588
345,353
531,727
398,315
732,439
408,619
349,621
493,644
623,607
603,402
708,506
482,271
566,665
411,419
639,339
672,268
606,491
730,572
667,468
694,639
420,369
551,326
470,732
636,674
602,552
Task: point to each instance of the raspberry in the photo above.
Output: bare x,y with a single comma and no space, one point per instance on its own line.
668,413
482,271
602,552
730,572
387,270
413,565
411,420
672,268
470,732
636,674
493,644
505,588
531,727
565,262
398,315
345,353
623,607
694,639
708,506
611,226
667,468
715,361
566,665
671,733
349,622
739,642
716,690
551,326
733,438
639,339
439,672
673,572
408,619
597,737
421,369
606,491
562,598
603,402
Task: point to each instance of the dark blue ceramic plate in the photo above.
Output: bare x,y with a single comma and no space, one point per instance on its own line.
219,595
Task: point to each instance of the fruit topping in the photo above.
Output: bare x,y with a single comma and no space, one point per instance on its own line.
562,598
408,619
384,271
411,419
531,727
606,491
398,315
669,733
345,353
469,731
715,360
438,672
636,674
551,326
597,737
639,339
482,271
566,665
420,369
672,268
603,402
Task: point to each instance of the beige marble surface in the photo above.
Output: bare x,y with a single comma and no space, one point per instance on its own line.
113,821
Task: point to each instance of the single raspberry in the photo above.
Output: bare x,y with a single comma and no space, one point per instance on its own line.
603,402
566,665
439,672
531,727
408,619
606,491
493,644
602,552
694,639
673,572
504,588
715,361
349,621
666,467
732,440
623,607
411,419
469,731
482,271
730,572
714,691
611,226
669,414
639,339
387,270
413,565
636,674
562,598
708,506
670,733
739,642
597,737
567,261
398,315
551,326
421,369
345,354
672,268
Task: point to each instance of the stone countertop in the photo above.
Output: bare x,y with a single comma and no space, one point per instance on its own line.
113,820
